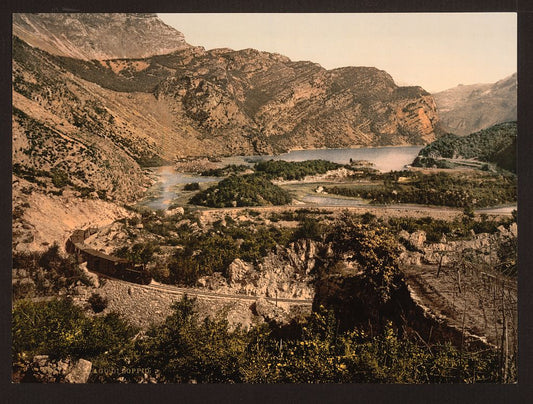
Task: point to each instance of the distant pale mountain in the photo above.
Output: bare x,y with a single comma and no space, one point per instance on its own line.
469,108
98,36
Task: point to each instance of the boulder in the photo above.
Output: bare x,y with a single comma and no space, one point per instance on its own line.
80,372
269,311
176,211
418,238
213,282
238,271
404,234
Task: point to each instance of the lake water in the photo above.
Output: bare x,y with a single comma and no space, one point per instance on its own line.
384,159
169,179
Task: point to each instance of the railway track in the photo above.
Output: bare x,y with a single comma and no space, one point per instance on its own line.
176,290
79,234
213,295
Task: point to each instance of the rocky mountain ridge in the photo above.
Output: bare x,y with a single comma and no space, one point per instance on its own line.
94,36
467,109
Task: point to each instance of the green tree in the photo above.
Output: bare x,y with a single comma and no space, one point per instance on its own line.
60,329
185,348
374,248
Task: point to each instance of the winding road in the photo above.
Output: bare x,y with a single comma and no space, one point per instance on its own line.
423,209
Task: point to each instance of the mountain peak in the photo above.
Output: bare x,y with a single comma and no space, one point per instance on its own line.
98,36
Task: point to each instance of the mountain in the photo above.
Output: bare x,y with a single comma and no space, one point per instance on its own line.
469,108
98,36
496,144
97,122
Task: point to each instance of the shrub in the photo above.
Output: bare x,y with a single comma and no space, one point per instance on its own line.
193,186
375,249
246,190
309,228
222,172
60,178
60,329
97,302
185,349
290,170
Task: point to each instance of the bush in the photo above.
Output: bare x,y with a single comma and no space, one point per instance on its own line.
186,349
246,190
60,178
309,228
193,186
374,249
60,329
290,170
228,170
496,144
204,254
441,189
97,302
138,253
46,273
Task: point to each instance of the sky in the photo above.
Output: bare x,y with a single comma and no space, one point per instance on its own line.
436,51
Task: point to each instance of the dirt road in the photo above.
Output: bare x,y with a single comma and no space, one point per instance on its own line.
378,210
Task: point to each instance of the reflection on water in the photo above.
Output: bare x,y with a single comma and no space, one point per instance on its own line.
384,158
167,190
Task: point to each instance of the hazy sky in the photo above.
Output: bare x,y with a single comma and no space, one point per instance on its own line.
436,51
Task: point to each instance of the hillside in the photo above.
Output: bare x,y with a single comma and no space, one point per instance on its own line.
65,125
469,108
496,144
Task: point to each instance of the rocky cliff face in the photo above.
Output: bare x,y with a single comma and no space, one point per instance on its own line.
480,249
98,36
248,102
467,109
285,273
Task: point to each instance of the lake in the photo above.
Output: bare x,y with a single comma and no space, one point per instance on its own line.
384,159
167,187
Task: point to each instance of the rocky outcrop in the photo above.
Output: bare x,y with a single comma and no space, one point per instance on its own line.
478,249
39,220
270,312
46,370
467,109
285,273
